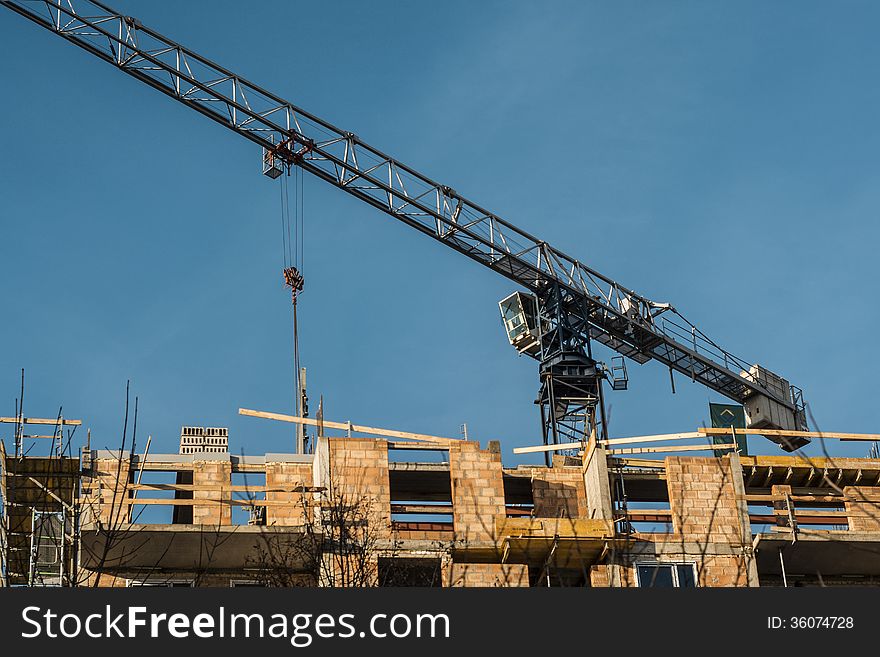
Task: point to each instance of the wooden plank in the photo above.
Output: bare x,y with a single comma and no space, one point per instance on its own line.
647,515
816,499
707,431
813,513
635,463
551,527
442,509
805,462
40,420
355,428
654,438
671,448
231,488
548,448
420,446
151,501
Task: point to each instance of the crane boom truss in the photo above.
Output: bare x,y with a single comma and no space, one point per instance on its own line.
613,315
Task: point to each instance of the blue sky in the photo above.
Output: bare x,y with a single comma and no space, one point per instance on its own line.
719,156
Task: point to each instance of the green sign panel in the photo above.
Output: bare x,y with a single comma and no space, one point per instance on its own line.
724,416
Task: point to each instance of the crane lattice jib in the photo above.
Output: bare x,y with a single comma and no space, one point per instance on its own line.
617,316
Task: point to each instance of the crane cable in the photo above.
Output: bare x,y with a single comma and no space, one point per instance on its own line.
292,258
285,224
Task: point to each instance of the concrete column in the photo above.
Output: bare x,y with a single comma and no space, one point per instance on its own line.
598,485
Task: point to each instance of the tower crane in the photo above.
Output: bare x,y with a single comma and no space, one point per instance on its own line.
564,305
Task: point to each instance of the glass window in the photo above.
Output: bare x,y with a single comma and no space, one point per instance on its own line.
656,575
686,577
666,575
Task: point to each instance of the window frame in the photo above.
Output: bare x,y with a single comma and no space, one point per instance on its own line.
156,582
246,583
672,565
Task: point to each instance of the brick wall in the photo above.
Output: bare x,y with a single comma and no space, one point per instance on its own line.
348,571
102,581
722,571
600,577
486,575
863,508
422,531
357,470
712,571
210,476
477,491
287,508
703,500
101,504
559,492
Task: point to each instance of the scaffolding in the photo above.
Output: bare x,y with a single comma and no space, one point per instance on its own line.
39,491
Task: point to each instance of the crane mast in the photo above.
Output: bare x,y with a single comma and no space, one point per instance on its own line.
568,305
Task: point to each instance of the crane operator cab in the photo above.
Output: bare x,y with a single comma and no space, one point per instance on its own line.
519,312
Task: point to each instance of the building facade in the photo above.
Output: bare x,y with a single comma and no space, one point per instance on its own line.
373,512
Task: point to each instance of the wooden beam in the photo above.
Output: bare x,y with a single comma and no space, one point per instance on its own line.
441,509
222,488
547,448
635,463
155,501
612,441
420,446
652,439
40,420
406,435
671,448
709,431
815,499
647,515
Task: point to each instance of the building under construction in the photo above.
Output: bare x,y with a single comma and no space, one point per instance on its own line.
374,511
394,508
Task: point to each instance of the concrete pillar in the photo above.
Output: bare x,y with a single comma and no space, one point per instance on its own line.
597,485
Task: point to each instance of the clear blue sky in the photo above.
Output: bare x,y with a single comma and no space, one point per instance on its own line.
719,156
